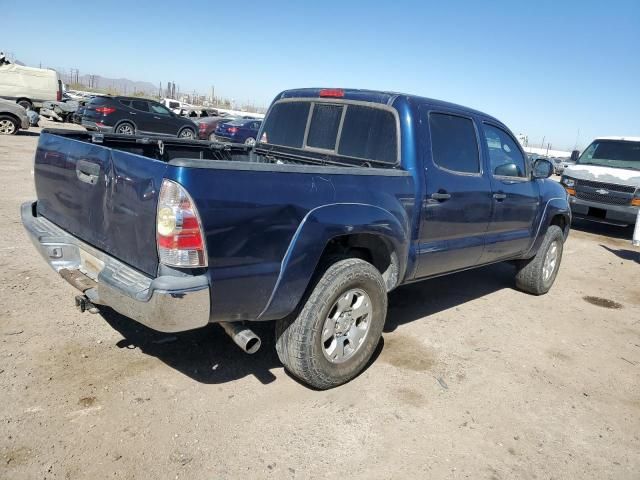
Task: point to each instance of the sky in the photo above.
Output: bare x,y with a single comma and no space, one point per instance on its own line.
561,70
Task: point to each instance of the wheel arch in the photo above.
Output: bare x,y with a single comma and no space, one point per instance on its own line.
343,231
556,212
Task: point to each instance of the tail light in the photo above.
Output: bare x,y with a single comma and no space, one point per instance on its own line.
58,96
179,232
202,127
105,110
232,130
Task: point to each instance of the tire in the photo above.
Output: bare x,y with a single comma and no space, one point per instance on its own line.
187,133
536,275
8,125
26,104
125,128
353,287
250,141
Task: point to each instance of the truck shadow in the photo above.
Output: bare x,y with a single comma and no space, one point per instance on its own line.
208,356
624,254
429,297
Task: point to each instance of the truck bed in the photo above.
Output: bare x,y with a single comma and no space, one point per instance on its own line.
103,189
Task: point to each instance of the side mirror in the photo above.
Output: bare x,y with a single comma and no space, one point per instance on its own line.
542,168
507,170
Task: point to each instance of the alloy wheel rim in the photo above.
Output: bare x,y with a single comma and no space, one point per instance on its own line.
7,127
125,130
550,261
346,326
186,134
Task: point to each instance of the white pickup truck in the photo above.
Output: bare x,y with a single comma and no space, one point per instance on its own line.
604,184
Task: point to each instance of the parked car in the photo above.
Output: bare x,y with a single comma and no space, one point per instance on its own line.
207,126
604,183
28,86
243,130
133,115
347,195
13,117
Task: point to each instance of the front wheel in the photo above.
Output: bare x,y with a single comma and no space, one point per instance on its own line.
336,332
537,275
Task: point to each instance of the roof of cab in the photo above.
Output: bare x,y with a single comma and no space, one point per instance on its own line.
380,96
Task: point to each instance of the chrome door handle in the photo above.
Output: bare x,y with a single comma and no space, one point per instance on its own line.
87,172
440,196
499,196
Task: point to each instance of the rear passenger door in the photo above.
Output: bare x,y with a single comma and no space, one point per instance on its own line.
140,114
515,195
456,206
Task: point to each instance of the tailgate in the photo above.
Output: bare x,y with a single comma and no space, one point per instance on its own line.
105,197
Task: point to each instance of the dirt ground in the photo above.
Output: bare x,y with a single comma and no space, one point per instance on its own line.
472,380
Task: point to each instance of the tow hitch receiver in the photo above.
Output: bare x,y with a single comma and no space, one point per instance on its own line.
84,304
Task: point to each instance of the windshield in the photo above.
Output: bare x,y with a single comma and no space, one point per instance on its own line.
612,153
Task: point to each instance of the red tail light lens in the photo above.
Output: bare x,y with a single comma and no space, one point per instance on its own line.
58,96
232,130
105,110
331,93
179,232
202,126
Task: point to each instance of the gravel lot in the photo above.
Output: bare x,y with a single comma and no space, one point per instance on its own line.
473,380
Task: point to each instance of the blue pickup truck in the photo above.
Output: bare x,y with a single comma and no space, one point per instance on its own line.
346,195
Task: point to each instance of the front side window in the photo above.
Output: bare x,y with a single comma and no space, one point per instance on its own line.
505,158
159,109
453,143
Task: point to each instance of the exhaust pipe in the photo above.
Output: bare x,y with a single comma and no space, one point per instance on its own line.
248,341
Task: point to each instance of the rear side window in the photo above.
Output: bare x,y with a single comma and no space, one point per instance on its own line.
286,124
140,105
453,143
126,103
323,129
369,133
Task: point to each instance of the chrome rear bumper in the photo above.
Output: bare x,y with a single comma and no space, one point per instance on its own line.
165,303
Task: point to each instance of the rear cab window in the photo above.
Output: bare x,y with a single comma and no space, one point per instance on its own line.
353,132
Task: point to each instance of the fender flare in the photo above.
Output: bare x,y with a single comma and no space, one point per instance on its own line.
316,230
555,206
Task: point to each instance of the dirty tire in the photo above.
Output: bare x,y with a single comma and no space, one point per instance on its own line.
299,340
530,275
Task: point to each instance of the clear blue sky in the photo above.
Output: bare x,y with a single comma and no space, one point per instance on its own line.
545,68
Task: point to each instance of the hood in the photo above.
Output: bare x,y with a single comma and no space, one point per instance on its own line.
620,176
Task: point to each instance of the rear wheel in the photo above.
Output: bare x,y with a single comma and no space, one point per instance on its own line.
126,128
8,125
187,133
250,141
537,275
336,332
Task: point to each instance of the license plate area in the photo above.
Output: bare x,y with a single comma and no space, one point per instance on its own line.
90,265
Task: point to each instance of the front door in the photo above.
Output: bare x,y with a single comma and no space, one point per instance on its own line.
515,196
456,206
163,121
